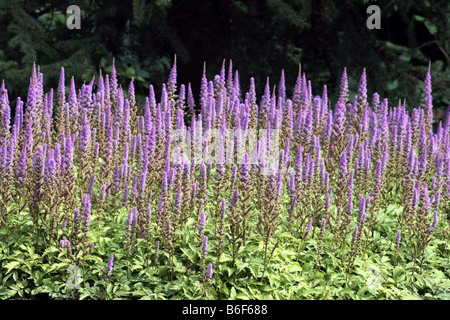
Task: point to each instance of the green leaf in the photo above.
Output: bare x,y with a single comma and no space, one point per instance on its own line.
233,293
294,268
191,255
428,24
225,257
37,290
398,274
420,282
11,265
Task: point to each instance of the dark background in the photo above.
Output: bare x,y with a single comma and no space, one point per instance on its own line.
262,37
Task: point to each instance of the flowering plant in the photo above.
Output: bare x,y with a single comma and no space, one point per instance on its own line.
258,187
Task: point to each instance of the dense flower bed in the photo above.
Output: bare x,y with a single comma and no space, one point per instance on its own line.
224,196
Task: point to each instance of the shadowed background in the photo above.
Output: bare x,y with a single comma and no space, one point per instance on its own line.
262,37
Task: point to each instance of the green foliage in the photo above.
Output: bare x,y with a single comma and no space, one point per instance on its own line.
381,273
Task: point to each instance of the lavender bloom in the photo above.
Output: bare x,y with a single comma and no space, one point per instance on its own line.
362,209
323,224
22,167
109,266
233,175
343,95
362,89
437,199
86,210
61,89
63,243
435,222
91,184
291,183
343,167
130,219
234,198
178,197
102,193
76,215
397,240
427,99
279,186
338,121
245,170
205,246
349,207
309,227
172,82
201,224
209,271
125,196
424,201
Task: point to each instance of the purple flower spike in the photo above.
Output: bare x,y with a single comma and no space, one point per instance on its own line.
205,246
309,227
435,222
109,266
343,167
209,271
234,198
172,82
362,208
397,240
343,95
63,243
279,186
245,169
64,224
362,89
86,210
76,215
130,218
22,167
202,224
322,226
91,184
